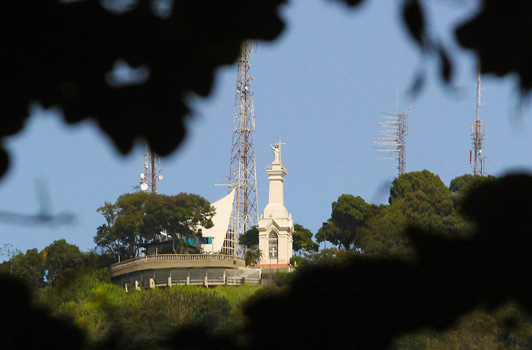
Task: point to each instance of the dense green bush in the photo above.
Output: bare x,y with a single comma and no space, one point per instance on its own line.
141,319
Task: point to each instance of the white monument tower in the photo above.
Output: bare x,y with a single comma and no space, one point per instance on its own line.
276,225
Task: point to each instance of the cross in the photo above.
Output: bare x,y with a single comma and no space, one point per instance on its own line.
278,144
273,252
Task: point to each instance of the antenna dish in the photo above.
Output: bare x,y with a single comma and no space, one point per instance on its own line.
160,177
142,176
144,186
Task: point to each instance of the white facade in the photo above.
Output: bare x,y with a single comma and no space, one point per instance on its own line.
276,225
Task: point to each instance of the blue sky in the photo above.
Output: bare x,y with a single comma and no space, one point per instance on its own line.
322,88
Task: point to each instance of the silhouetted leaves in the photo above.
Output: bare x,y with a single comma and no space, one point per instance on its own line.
499,34
414,20
446,66
26,327
4,161
198,338
352,3
418,82
61,53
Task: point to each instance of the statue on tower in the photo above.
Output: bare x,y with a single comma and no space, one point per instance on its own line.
276,153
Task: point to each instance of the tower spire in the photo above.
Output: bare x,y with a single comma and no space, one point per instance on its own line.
477,134
242,173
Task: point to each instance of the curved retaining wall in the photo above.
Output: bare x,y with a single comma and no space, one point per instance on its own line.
182,269
170,261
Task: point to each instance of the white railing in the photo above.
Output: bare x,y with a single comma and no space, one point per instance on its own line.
172,257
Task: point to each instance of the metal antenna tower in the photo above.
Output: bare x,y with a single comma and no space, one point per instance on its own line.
242,174
393,140
477,135
148,179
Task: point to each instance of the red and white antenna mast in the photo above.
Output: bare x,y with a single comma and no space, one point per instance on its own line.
477,135
242,173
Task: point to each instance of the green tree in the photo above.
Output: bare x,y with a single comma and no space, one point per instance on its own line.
9,251
129,228
465,183
348,214
303,240
250,242
61,259
108,241
179,215
418,181
426,202
416,199
252,255
137,218
29,266
460,187
250,238
330,256
383,234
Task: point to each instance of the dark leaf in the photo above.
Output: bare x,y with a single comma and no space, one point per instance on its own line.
498,35
352,3
417,84
414,20
4,161
446,66
53,66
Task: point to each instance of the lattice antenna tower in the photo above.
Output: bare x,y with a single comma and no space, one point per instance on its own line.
392,143
152,171
477,134
242,173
